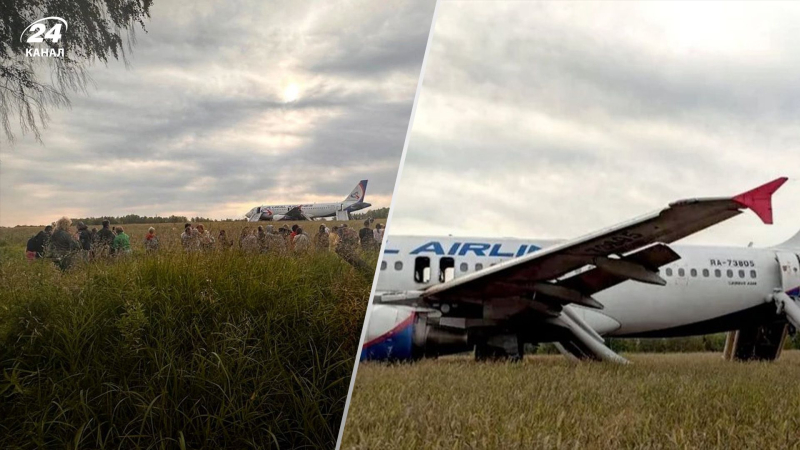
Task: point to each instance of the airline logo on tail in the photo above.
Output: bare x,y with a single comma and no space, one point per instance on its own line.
357,195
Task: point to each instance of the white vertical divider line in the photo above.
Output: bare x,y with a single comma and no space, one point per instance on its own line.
386,231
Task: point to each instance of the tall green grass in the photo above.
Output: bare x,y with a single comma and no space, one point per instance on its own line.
178,350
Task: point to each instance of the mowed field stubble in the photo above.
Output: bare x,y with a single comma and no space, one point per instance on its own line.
687,400
205,349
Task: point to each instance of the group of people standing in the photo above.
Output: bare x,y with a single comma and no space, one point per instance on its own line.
58,243
198,238
342,239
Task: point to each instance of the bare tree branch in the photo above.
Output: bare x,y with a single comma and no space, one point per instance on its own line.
95,32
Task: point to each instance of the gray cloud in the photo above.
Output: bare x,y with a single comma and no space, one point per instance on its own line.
200,122
556,119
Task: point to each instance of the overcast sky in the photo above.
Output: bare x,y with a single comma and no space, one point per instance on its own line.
226,106
557,119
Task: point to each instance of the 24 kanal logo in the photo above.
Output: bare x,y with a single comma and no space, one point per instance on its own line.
38,32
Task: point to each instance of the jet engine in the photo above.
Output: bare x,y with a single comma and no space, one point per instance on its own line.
398,333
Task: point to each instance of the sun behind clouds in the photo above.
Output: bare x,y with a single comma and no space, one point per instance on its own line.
291,93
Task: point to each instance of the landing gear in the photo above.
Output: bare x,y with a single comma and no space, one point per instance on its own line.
504,347
762,343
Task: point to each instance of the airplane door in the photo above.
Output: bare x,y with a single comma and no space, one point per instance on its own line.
447,269
790,270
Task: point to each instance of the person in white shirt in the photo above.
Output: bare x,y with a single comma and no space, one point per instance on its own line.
300,241
377,234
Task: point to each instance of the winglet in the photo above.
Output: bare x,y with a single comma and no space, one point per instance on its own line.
760,199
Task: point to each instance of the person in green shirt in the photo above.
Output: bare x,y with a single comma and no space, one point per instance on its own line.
122,242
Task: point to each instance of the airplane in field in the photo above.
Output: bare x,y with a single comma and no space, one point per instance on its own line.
444,295
341,210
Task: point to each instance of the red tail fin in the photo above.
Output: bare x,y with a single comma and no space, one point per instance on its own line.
760,199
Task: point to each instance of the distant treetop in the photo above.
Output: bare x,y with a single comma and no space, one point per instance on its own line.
380,213
131,218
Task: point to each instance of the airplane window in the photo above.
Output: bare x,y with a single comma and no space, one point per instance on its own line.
422,269
681,272
669,272
705,273
693,272
729,273
717,273
752,274
741,274
447,269
478,266
464,267
398,265
383,265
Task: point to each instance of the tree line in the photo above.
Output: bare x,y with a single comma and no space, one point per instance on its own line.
380,213
130,219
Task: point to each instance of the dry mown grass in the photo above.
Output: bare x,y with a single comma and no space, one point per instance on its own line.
691,400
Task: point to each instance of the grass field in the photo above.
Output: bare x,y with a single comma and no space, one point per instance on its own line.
176,350
689,400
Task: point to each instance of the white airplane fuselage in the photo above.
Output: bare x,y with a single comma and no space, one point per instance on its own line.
709,289
310,210
340,210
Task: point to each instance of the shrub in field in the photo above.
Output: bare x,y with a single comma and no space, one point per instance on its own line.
178,350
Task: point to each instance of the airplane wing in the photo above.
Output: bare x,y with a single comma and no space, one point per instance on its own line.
625,251
295,214
569,273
